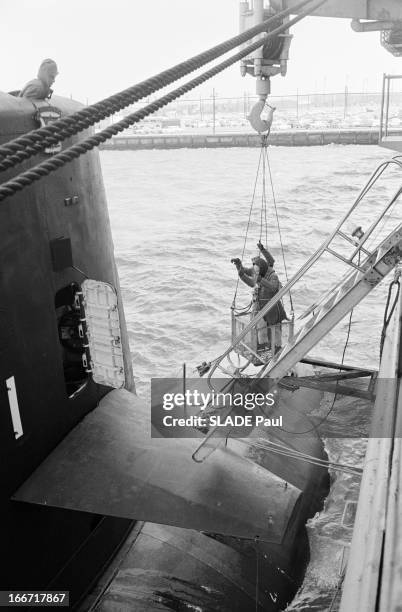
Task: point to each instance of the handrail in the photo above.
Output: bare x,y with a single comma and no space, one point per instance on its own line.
313,259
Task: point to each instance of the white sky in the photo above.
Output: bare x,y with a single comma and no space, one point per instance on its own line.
104,46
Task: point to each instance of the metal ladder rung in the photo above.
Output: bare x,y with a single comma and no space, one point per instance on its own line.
309,310
256,355
315,329
351,241
347,261
381,253
351,282
328,304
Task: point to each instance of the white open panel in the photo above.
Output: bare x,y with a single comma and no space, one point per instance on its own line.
103,333
14,407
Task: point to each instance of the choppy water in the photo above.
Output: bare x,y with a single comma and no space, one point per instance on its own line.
178,217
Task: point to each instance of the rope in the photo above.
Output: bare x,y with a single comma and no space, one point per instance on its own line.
279,227
35,141
287,451
388,316
248,225
263,215
307,265
325,418
337,589
265,211
60,159
257,578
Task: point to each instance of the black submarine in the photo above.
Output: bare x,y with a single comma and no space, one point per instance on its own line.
79,471
86,490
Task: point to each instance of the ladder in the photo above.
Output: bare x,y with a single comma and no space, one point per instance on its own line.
367,268
335,304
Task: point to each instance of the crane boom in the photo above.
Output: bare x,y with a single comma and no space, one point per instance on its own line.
379,10
384,16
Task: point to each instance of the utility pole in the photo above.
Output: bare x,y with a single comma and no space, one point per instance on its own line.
213,111
345,106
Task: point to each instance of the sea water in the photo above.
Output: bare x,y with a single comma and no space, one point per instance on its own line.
178,217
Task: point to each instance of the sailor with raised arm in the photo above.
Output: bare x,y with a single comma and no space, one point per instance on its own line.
265,283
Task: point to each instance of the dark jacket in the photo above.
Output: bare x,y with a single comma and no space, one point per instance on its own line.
264,290
268,287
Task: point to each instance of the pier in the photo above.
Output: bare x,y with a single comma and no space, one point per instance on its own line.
291,138
372,582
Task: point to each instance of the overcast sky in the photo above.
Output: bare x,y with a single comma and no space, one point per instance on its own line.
105,46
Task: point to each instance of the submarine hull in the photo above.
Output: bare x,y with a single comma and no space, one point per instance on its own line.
53,235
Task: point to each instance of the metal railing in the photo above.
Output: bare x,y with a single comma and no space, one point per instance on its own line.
360,253
385,104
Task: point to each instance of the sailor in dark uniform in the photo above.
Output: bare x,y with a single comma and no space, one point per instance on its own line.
266,284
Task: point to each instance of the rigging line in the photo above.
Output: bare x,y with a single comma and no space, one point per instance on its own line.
266,221
264,140
263,194
257,586
252,201
337,589
262,197
310,459
248,223
298,275
388,316
35,141
279,227
60,159
299,455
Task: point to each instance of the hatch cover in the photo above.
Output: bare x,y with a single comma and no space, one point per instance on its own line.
102,322
109,464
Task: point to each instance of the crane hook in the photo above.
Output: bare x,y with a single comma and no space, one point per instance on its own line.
261,125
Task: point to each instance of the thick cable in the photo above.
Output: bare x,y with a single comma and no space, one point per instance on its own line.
60,159
33,142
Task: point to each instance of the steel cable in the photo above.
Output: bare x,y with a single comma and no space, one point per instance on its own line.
60,159
35,141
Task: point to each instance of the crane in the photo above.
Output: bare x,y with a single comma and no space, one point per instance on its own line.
384,16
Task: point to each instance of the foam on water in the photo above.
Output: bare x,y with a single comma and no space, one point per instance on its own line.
179,216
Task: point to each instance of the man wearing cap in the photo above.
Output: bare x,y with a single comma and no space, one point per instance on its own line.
39,88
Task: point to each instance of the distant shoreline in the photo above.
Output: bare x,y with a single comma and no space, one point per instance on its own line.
288,138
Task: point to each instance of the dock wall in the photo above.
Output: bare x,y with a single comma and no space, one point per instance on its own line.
294,138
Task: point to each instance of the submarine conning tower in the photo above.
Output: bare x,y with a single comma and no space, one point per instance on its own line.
53,234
